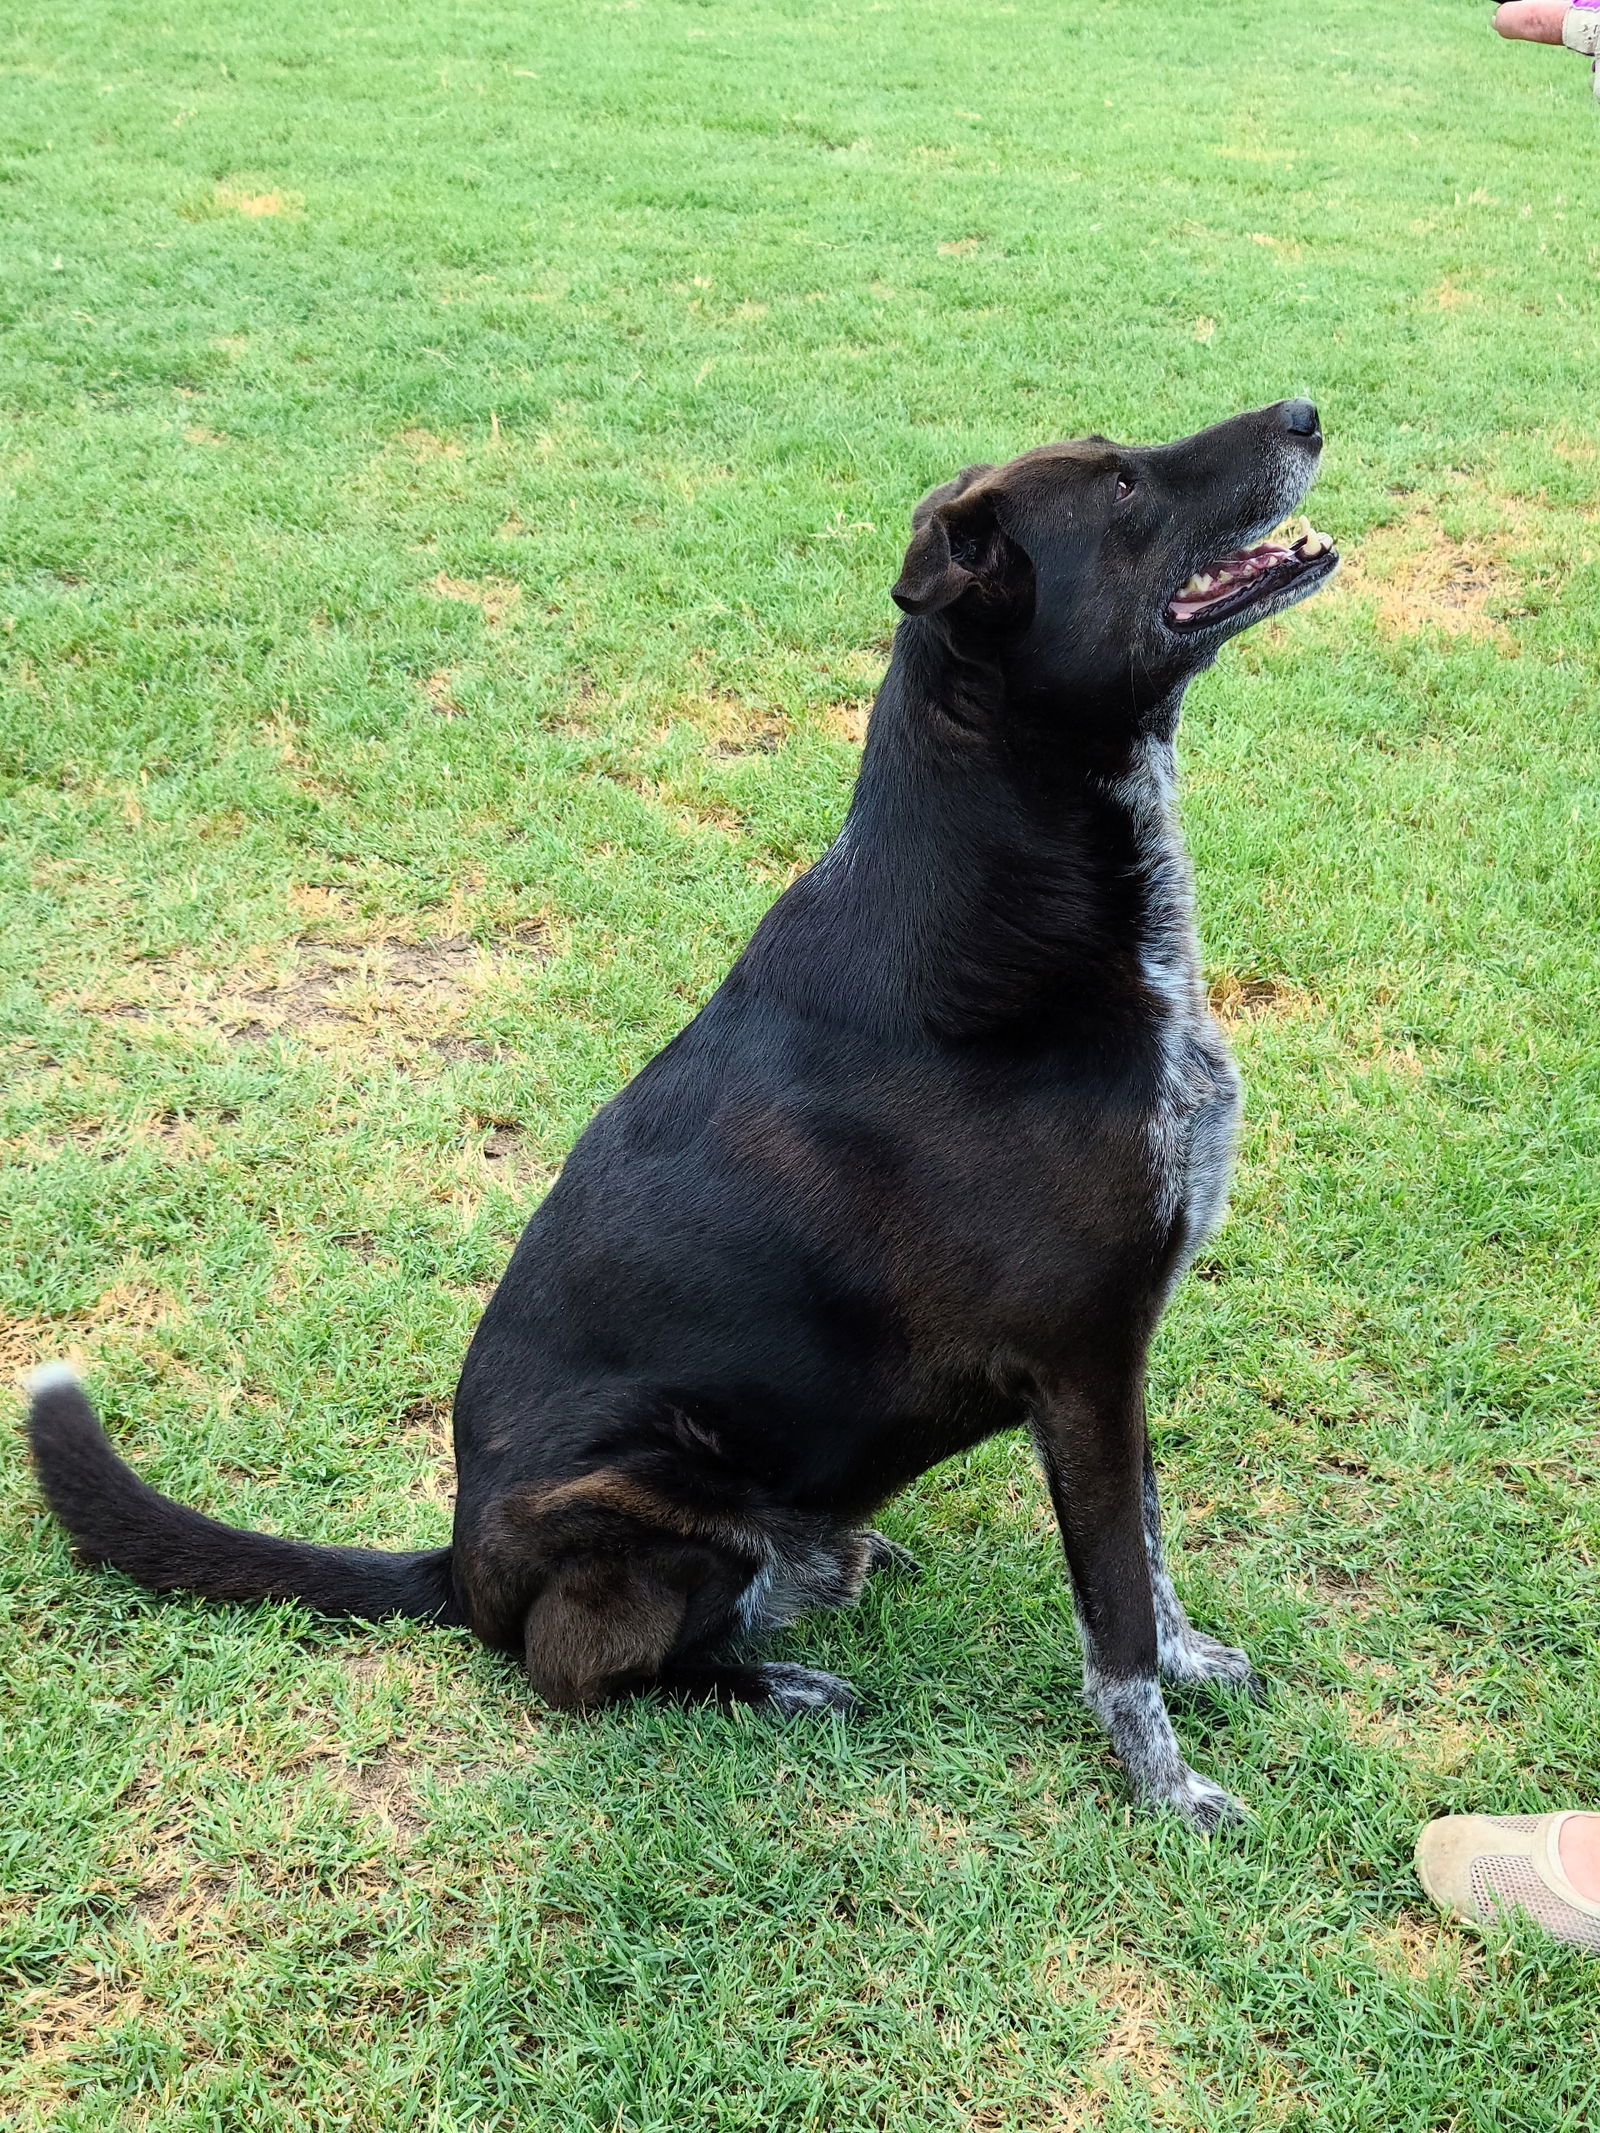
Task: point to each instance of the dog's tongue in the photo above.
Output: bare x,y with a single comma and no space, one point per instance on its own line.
1235,571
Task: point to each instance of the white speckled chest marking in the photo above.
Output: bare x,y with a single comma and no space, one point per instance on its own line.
1195,1117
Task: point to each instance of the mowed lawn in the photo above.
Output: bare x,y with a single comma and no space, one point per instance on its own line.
455,458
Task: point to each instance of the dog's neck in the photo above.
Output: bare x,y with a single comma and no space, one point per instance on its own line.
994,875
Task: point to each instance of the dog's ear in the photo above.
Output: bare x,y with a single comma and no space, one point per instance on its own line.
957,543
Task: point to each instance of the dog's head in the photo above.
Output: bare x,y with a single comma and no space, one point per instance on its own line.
1114,572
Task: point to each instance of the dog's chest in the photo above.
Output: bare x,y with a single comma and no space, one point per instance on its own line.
1195,1109
1192,1132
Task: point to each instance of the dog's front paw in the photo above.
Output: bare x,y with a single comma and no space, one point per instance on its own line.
885,1554
1204,1806
793,1691
1201,1658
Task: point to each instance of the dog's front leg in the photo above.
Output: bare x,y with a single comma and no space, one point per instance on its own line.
1183,1652
1091,1444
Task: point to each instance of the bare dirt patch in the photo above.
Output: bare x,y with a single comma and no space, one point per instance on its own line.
1415,1945
504,1145
848,720
424,444
334,986
732,726
511,1158
1137,2003
1234,998
687,813
426,1424
494,596
1419,577
241,197
128,1307
178,1901
1392,1720
437,689
1574,447
329,910
84,2006
1133,2052
1334,1587
25,1343
411,999
579,725
431,1416
382,1790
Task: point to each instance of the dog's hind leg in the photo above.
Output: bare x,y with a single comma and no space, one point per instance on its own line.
603,1627
603,1630
771,1685
1183,1652
1091,1441
806,1569
610,1596
884,1554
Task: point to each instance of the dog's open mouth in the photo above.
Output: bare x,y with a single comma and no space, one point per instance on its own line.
1235,582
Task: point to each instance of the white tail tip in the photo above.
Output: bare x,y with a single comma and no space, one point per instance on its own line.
50,1377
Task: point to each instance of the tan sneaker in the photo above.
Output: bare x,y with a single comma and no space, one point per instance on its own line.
1488,1867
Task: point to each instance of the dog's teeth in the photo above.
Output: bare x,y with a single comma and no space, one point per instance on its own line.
1315,542
1302,529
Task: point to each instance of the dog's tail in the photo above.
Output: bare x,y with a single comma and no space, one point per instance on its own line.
116,1518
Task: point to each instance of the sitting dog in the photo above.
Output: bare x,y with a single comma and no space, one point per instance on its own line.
925,1167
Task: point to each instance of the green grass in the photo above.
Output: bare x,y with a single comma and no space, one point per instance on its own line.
454,464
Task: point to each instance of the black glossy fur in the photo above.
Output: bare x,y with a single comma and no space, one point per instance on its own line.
924,1168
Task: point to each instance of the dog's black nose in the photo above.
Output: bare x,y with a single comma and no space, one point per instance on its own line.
1300,417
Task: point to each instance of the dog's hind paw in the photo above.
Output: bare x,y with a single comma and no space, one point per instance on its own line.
793,1691
1204,1806
885,1554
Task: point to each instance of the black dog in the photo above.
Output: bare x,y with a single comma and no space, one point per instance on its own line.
925,1167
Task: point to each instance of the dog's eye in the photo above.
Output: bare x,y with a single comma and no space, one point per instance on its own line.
1124,487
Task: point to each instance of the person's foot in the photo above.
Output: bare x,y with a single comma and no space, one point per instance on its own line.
1486,1868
